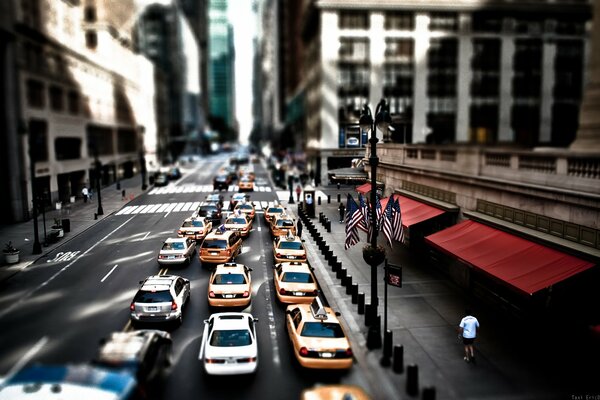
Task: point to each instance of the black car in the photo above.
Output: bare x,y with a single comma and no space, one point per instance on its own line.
174,173
144,353
212,211
222,182
215,198
161,180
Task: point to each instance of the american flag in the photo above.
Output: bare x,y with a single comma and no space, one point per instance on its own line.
377,223
386,224
353,217
364,209
397,228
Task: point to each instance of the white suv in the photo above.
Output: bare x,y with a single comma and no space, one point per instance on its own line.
160,299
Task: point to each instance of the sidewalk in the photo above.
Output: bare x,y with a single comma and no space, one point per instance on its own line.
81,216
423,316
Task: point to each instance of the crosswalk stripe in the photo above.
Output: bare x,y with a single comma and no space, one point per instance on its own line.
124,210
178,207
226,205
163,207
137,209
170,207
186,207
144,209
264,204
154,208
195,205
257,206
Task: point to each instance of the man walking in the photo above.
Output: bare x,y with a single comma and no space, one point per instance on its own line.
299,228
468,330
84,193
342,210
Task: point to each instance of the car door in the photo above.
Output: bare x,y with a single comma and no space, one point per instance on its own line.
208,323
178,289
293,319
191,247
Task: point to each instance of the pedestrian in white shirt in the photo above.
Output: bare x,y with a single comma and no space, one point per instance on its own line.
468,330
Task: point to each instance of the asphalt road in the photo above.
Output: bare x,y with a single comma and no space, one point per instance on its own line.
58,309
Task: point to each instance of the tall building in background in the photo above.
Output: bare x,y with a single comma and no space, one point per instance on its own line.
221,71
70,103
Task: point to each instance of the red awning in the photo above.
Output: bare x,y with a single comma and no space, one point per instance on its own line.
525,265
364,188
414,211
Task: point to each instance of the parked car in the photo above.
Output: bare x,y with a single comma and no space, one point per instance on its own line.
229,344
160,299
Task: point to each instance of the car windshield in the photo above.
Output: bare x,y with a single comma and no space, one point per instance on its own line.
195,224
286,223
231,338
210,208
214,244
322,329
144,296
173,246
221,178
229,279
298,277
290,245
274,210
236,221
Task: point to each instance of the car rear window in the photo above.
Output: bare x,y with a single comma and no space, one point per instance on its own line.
214,244
229,279
144,296
290,245
195,224
298,277
209,207
322,329
173,246
236,221
231,338
246,207
274,210
286,223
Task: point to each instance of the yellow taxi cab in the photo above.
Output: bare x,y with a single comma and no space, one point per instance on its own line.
220,246
246,208
282,224
195,227
247,170
288,248
295,283
240,223
230,285
335,392
317,336
273,210
246,184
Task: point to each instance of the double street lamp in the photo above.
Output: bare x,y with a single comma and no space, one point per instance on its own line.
382,121
37,247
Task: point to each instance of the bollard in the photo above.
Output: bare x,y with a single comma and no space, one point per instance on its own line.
354,292
341,273
321,217
429,393
319,200
398,365
412,380
328,226
337,266
339,198
361,303
338,186
328,255
348,284
368,317
328,199
387,348
332,261
95,216
324,249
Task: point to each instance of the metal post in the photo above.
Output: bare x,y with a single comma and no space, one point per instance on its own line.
37,247
98,182
385,295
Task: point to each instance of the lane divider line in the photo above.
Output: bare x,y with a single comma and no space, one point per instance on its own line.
109,272
25,359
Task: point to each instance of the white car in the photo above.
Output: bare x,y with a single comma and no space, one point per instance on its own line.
229,344
177,251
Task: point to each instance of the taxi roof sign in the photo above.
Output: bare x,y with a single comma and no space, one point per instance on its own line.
317,309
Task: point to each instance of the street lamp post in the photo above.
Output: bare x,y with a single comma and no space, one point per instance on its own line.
98,166
37,247
382,121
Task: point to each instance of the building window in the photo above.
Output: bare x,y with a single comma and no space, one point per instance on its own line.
400,50
89,14
91,39
126,141
443,21
568,70
527,64
398,80
353,75
67,148
442,63
56,98
38,129
354,20
353,49
400,20
35,94
487,22
100,140
486,68
73,99
483,123
31,13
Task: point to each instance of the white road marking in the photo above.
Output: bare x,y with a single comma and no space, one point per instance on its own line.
144,238
259,229
26,358
34,290
111,271
187,206
178,207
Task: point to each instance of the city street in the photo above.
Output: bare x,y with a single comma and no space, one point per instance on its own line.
63,304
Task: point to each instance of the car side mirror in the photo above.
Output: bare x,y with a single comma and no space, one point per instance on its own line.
250,269
287,312
255,319
337,314
311,268
140,282
206,321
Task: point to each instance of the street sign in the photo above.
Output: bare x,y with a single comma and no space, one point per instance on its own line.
393,274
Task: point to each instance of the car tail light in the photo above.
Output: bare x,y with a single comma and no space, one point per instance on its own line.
315,293
279,255
228,252
246,294
282,291
132,307
180,232
246,360
214,361
173,306
349,352
303,351
211,294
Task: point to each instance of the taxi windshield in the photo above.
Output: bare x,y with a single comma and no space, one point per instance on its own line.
298,277
322,329
214,244
290,245
173,246
231,338
229,279
274,210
